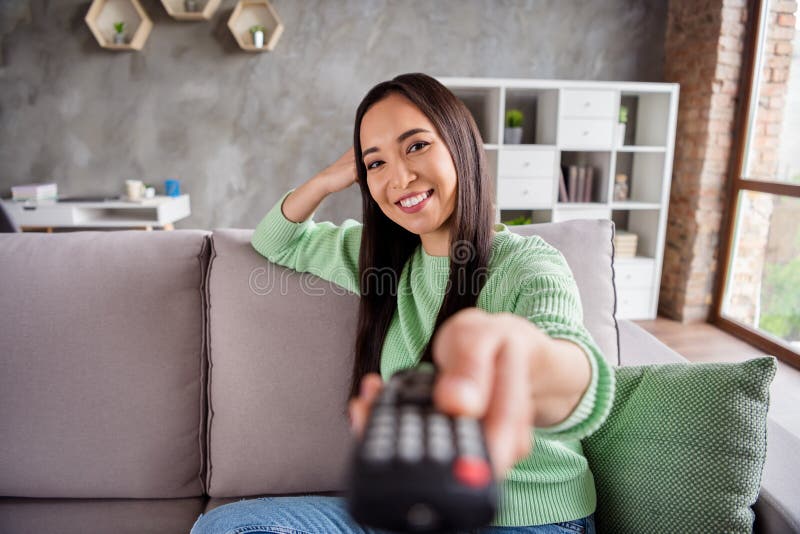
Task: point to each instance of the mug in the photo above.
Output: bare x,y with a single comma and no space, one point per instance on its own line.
134,189
172,188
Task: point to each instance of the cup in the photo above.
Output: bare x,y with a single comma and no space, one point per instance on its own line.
172,188
134,189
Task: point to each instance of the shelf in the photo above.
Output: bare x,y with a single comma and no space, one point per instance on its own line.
528,147
248,13
634,148
539,109
103,14
581,205
177,9
635,206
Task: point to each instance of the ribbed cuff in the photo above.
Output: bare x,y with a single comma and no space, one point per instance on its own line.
275,231
595,405
585,406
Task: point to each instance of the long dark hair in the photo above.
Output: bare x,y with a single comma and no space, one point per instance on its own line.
386,246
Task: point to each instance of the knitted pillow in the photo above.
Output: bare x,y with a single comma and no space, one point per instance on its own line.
683,448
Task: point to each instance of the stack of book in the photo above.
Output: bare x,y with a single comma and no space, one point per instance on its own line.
576,183
34,192
624,244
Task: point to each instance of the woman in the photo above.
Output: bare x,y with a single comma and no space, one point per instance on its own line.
509,342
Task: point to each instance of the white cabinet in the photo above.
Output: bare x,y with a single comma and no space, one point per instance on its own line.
570,123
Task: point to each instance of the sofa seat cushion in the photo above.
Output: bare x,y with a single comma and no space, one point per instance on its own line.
683,448
82,516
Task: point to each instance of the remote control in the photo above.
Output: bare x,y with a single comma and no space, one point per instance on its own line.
417,469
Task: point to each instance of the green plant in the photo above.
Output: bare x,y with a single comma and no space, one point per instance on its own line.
257,28
518,221
514,118
623,114
780,294
119,27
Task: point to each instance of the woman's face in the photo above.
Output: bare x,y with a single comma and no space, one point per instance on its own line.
406,159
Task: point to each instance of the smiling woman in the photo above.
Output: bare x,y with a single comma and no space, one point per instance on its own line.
499,314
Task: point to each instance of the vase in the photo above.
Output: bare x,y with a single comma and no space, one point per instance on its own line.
191,6
119,38
513,136
258,39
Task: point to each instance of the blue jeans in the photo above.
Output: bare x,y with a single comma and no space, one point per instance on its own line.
322,514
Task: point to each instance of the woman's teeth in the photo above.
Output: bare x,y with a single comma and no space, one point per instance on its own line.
413,201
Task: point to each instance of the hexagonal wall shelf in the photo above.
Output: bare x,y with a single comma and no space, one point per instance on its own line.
103,14
190,9
249,13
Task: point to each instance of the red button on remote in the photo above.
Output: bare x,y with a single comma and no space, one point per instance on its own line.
473,472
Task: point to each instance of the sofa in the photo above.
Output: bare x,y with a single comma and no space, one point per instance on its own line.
149,377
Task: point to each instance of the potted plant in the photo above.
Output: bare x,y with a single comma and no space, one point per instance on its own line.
119,32
258,35
518,221
623,120
191,6
513,131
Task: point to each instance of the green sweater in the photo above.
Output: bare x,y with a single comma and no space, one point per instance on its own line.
526,276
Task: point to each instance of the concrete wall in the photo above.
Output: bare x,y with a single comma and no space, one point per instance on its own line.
239,129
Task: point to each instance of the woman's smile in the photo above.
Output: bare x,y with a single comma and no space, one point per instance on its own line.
415,203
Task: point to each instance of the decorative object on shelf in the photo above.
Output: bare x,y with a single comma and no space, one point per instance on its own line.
518,221
36,191
625,244
513,130
257,32
621,187
134,189
190,10
119,32
149,191
623,121
105,16
172,187
255,13
576,183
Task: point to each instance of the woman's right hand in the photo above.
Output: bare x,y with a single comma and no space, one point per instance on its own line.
341,174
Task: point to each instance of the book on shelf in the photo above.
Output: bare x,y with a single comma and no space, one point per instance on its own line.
625,244
562,186
576,183
35,191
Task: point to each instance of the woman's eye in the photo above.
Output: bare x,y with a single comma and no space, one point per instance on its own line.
370,166
423,143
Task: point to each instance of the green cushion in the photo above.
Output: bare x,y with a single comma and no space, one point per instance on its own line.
683,448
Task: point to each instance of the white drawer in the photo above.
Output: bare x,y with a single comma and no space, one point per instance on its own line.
582,213
586,133
634,274
592,103
524,193
633,303
527,163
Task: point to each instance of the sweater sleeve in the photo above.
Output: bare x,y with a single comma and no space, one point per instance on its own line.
550,299
322,249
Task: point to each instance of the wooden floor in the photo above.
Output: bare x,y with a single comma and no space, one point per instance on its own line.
703,342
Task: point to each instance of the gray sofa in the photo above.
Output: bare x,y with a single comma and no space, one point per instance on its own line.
147,377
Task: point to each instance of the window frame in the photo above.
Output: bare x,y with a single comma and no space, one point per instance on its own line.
756,28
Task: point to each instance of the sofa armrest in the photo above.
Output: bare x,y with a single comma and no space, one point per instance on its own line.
638,347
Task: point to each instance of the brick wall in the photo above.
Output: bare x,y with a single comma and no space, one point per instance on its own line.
703,52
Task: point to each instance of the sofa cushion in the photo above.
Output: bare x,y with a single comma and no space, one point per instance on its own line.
683,447
587,245
280,359
101,367
82,516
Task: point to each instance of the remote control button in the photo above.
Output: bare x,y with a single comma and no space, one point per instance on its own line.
441,451
409,451
378,453
473,472
421,516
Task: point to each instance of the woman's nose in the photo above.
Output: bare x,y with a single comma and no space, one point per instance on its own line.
402,176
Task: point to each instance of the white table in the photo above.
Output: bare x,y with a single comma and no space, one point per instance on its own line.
161,211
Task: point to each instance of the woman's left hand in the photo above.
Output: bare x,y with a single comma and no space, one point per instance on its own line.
485,364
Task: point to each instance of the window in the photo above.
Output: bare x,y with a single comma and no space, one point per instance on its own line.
758,297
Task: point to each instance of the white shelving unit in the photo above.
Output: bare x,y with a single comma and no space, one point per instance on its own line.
575,122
